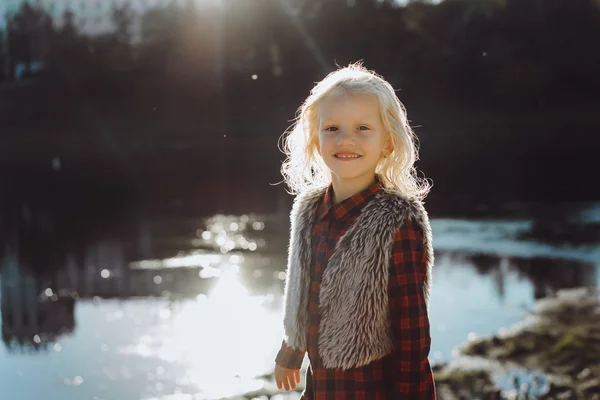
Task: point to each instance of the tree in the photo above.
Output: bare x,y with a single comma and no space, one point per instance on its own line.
4,68
121,17
28,31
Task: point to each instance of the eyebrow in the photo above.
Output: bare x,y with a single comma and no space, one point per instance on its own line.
332,122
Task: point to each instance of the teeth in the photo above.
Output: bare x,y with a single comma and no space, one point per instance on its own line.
347,156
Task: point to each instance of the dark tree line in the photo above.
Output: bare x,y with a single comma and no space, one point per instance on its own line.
524,52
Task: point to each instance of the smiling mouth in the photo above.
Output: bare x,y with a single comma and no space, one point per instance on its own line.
347,156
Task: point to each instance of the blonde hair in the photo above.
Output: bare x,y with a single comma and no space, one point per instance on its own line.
304,169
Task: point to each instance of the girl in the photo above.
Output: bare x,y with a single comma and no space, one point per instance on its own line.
360,256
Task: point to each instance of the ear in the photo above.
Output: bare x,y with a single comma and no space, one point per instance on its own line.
388,147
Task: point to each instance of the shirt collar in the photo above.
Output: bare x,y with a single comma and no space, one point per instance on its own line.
351,204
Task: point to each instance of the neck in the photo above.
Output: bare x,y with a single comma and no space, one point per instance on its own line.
345,188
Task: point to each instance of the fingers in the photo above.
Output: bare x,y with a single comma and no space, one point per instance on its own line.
282,382
292,381
277,375
287,382
288,379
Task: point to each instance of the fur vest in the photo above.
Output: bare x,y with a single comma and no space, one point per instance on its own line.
355,327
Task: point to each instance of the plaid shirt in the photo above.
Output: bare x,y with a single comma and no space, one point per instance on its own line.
403,374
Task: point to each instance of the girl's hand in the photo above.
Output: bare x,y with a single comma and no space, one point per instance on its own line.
288,378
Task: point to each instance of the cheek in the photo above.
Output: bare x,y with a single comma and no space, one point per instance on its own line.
383,144
374,145
323,143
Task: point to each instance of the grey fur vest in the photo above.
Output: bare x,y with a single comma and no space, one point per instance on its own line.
355,326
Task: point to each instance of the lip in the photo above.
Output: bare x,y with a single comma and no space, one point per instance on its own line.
346,153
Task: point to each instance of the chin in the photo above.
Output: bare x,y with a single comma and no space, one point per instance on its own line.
348,176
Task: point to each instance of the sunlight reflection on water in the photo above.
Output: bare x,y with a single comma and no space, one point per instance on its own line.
218,336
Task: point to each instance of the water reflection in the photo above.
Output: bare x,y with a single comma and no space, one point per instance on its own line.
217,336
205,321
550,275
31,316
216,343
546,274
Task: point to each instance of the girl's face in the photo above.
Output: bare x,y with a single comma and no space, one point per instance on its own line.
352,138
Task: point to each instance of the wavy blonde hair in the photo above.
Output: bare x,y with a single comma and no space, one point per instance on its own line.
304,168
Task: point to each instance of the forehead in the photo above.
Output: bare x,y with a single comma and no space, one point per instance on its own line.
358,104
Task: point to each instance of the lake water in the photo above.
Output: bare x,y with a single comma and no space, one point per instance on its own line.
206,324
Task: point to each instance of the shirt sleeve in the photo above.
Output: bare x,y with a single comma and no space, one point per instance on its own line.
408,313
288,357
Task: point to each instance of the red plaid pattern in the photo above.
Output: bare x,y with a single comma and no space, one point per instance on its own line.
403,374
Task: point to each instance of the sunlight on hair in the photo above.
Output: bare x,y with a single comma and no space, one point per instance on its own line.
304,168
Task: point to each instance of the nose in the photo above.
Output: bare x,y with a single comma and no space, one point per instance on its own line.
345,136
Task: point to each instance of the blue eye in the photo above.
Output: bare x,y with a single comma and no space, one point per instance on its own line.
331,128
363,128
